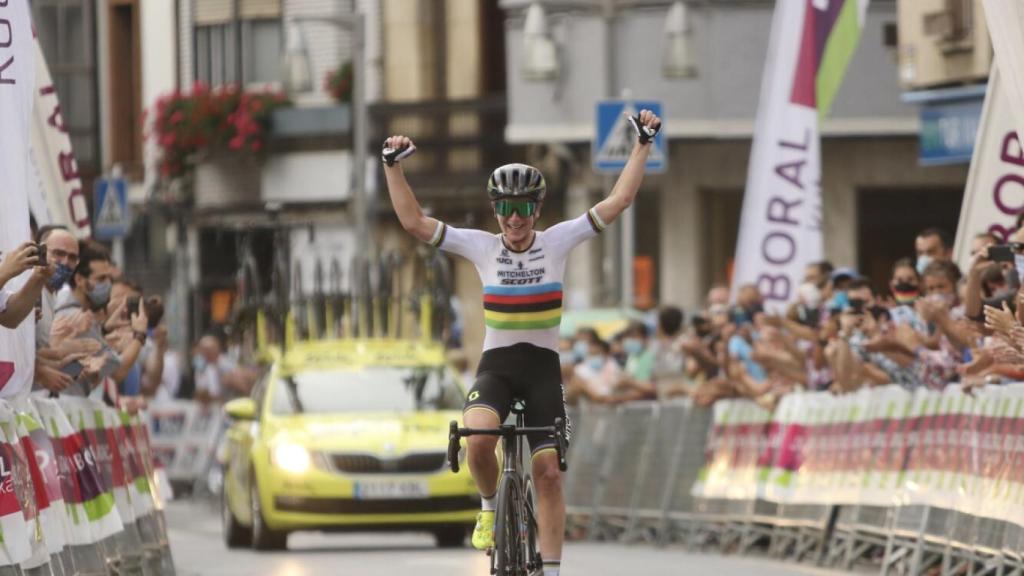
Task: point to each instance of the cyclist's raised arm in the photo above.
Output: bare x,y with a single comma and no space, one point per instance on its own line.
402,199
632,175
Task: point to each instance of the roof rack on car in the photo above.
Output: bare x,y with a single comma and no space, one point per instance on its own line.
396,296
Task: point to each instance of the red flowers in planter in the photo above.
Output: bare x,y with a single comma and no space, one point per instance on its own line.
188,123
339,83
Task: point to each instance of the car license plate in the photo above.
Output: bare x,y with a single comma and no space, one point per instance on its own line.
390,490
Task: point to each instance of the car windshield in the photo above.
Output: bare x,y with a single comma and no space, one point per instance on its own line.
374,389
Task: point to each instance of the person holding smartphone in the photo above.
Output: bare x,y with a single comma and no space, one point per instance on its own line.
1009,258
16,306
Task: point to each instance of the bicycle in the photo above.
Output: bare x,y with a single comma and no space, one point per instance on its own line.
515,522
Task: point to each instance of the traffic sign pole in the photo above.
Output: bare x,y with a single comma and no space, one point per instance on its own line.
613,143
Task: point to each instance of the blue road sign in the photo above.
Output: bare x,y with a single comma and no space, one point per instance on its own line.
615,137
111,219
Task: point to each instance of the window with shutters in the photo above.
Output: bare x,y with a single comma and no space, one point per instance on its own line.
215,54
243,48
67,34
261,55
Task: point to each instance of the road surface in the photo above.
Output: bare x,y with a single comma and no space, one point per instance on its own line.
199,551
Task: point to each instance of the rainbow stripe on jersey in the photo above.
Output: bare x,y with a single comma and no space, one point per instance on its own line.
523,307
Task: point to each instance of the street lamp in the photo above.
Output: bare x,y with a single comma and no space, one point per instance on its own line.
298,70
677,56
540,54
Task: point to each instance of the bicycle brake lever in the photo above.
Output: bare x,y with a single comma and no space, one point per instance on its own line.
643,133
392,155
560,445
453,446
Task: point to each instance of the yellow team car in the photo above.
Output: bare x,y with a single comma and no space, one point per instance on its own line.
347,435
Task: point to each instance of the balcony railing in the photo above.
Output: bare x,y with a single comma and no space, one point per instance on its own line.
458,141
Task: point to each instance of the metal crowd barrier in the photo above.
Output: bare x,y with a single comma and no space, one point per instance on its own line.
633,466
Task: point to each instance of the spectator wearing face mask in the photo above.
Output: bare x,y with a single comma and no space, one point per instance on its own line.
748,304
597,375
62,251
669,362
91,287
718,295
585,336
217,376
932,245
636,381
839,283
818,273
949,337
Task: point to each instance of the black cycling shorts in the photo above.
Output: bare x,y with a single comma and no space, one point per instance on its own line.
522,371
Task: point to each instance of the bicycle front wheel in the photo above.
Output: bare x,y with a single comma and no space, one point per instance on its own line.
508,544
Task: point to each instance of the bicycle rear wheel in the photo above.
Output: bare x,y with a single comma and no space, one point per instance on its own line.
508,546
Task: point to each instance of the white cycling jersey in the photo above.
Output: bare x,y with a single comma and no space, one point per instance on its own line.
522,290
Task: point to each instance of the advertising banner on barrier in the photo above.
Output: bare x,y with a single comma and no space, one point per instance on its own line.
183,435
22,540
106,432
54,421
135,471
53,516
878,447
92,460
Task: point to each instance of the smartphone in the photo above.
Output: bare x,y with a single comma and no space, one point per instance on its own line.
154,308
1001,253
133,306
73,369
856,305
880,313
42,254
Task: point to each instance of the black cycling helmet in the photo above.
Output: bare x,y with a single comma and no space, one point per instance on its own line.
516,181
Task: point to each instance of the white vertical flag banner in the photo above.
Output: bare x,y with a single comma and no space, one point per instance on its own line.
1005,19
994,195
811,43
54,167
17,81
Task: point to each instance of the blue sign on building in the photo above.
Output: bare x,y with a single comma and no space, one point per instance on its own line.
615,137
949,123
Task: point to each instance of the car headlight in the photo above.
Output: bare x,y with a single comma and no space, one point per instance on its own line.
291,458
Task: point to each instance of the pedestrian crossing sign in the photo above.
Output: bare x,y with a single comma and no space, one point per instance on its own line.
112,218
614,138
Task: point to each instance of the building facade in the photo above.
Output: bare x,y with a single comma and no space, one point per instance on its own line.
876,194
433,69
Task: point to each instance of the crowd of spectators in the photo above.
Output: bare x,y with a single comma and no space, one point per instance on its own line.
932,325
97,334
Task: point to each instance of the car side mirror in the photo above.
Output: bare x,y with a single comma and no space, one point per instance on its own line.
241,409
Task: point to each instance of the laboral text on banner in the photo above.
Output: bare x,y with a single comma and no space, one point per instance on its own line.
17,80
780,228
994,195
55,184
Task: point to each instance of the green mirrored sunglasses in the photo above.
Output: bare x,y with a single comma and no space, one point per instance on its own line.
524,208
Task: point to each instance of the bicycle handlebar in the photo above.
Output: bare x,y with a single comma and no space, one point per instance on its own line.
557,432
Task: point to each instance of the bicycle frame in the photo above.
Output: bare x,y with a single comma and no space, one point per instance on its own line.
514,482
